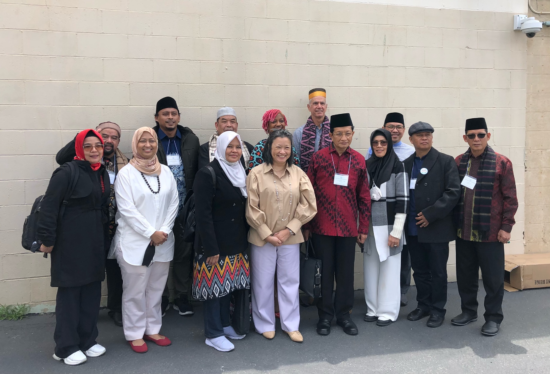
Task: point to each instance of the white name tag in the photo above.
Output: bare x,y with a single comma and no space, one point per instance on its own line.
413,184
341,179
111,176
173,160
469,182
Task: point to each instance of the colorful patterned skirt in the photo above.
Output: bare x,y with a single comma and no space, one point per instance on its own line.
231,273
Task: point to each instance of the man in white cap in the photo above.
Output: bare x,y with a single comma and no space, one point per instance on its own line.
226,121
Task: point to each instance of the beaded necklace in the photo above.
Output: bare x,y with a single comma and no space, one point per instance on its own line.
158,182
278,197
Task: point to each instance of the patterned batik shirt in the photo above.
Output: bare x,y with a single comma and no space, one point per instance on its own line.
110,166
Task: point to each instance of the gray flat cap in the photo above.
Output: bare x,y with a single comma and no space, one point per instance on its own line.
226,111
420,127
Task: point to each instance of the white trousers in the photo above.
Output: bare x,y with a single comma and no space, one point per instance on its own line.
264,261
142,289
382,285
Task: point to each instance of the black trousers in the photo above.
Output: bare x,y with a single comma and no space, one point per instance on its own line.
338,257
429,262
405,270
114,286
216,316
76,313
470,257
182,267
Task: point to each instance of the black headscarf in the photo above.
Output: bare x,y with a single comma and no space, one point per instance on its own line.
380,168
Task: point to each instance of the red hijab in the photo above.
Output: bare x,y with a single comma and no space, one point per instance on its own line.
79,146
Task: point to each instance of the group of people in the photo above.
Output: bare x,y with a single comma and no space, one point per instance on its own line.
254,207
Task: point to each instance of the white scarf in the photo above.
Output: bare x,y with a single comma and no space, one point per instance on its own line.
234,170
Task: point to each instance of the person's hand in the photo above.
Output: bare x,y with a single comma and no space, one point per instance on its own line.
159,238
361,238
45,249
273,240
421,220
306,234
283,235
212,260
503,236
393,242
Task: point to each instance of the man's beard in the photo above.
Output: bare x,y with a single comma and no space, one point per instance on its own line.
108,154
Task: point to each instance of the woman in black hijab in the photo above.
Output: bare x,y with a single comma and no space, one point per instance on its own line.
382,250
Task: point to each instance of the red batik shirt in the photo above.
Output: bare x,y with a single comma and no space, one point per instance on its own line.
338,206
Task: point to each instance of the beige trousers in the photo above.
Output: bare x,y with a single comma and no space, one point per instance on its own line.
141,297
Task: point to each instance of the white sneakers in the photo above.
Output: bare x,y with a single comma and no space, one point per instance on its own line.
230,333
221,344
78,357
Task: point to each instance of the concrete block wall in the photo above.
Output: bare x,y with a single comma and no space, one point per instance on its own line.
69,65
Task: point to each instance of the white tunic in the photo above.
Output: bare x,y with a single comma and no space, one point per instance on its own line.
140,213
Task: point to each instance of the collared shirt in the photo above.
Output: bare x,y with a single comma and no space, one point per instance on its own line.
297,138
170,145
411,217
340,208
276,203
402,150
469,200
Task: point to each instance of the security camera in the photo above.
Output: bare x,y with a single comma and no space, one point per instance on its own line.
528,25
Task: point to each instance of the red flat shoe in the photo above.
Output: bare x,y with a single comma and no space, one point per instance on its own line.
139,348
164,342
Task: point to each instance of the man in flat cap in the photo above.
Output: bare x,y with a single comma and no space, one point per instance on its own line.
484,216
395,124
339,177
315,134
178,149
434,192
226,121
114,160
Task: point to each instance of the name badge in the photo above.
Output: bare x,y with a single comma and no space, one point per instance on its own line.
469,182
413,184
341,179
173,160
111,176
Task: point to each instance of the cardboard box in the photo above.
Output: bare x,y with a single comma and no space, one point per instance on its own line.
526,271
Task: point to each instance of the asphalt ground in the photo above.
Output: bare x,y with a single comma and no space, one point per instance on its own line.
522,346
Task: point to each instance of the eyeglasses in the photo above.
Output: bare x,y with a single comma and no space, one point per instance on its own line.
89,147
380,142
473,136
393,127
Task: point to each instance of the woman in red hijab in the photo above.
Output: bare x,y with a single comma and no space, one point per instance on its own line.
72,228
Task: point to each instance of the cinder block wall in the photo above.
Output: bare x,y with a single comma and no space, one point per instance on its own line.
69,65
537,152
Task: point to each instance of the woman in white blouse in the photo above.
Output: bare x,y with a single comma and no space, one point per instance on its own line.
147,201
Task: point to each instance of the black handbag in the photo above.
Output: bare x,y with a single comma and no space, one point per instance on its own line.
241,311
310,272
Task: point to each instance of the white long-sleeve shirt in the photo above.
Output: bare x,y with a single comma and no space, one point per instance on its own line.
140,213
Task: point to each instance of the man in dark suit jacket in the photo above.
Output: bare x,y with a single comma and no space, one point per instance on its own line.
434,192
226,121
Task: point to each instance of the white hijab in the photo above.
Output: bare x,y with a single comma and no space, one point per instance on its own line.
234,170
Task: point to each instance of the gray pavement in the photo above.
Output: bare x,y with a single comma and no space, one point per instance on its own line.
523,345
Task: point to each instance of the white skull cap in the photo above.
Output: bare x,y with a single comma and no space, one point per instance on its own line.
226,111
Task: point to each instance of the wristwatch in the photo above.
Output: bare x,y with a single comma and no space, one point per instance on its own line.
291,232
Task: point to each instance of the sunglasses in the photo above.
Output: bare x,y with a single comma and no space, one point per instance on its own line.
89,147
473,136
380,142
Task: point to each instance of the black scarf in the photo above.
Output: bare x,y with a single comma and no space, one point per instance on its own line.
483,193
380,168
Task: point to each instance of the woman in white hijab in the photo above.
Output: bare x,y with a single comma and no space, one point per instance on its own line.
221,263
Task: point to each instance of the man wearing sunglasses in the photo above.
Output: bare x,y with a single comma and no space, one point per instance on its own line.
395,124
434,192
484,216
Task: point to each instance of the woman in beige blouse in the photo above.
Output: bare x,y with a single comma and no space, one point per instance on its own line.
280,200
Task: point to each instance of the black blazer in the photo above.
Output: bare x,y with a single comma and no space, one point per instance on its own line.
436,194
79,238
221,222
204,154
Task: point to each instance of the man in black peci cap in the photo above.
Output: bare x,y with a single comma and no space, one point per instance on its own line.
434,192
179,149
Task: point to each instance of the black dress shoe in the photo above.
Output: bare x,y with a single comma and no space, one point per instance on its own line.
349,326
404,300
323,327
368,318
435,320
463,319
384,322
490,328
417,314
116,317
